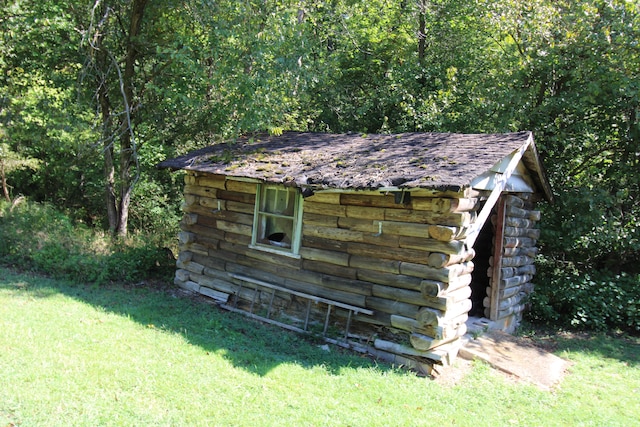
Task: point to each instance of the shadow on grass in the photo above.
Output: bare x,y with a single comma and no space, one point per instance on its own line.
247,344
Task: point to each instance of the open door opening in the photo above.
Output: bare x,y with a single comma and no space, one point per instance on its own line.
480,280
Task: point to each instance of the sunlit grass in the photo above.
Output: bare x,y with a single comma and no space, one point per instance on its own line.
88,355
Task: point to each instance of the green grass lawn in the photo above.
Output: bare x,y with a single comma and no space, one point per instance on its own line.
141,356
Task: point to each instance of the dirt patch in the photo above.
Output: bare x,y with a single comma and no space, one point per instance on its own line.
518,357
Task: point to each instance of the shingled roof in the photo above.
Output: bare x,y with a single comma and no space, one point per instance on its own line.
356,161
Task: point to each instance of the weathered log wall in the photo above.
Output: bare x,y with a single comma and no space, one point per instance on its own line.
512,271
405,262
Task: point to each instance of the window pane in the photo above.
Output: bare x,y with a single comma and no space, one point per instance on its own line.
275,231
279,201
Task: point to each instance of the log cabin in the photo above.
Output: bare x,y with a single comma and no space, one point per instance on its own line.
385,244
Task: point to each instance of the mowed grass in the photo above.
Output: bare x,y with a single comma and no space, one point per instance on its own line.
138,355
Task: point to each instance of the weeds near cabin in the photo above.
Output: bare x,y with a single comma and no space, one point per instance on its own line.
38,237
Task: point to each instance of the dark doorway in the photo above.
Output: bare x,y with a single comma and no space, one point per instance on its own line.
480,280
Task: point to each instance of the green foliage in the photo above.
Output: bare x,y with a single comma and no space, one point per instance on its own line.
600,300
39,237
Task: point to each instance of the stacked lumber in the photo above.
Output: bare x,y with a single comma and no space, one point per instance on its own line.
512,266
407,261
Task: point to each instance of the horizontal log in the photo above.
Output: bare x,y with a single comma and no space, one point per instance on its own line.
390,279
190,199
413,297
384,240
234,227
460,219
185,256
212,293
187,285
378,200
405,229
324,243
397,254
375,264
432,245
198,209
385,227
532,233
516,261
211,181
325,209
443,205
189,218
434,288
512,221
517,271
185,237
332,294
444,274
446,233
182,275
447,331
332,233
504,303
513,310
190,266
194,248
516,242
197,190
238,239
364,212
435,317
234,196
189,178
241,186
331,257
392,306
395,348
511,200
347,285
439,260
234,206
423,342
522,213
320,220
331,198
258,274
201,231
515,281
449,300
209,262
526,251
332,269
505,293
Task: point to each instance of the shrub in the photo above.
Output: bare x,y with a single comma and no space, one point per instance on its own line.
38,237
598,300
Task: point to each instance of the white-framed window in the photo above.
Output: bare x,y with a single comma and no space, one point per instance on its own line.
277,220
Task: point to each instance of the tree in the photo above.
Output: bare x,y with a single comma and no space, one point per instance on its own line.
11,161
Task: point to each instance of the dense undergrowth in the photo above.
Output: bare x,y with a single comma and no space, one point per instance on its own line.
39,237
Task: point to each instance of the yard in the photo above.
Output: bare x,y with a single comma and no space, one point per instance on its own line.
145,355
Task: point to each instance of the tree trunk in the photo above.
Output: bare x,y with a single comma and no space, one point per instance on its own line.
128,148
5,187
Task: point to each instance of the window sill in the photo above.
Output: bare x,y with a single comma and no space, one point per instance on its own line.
274,250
